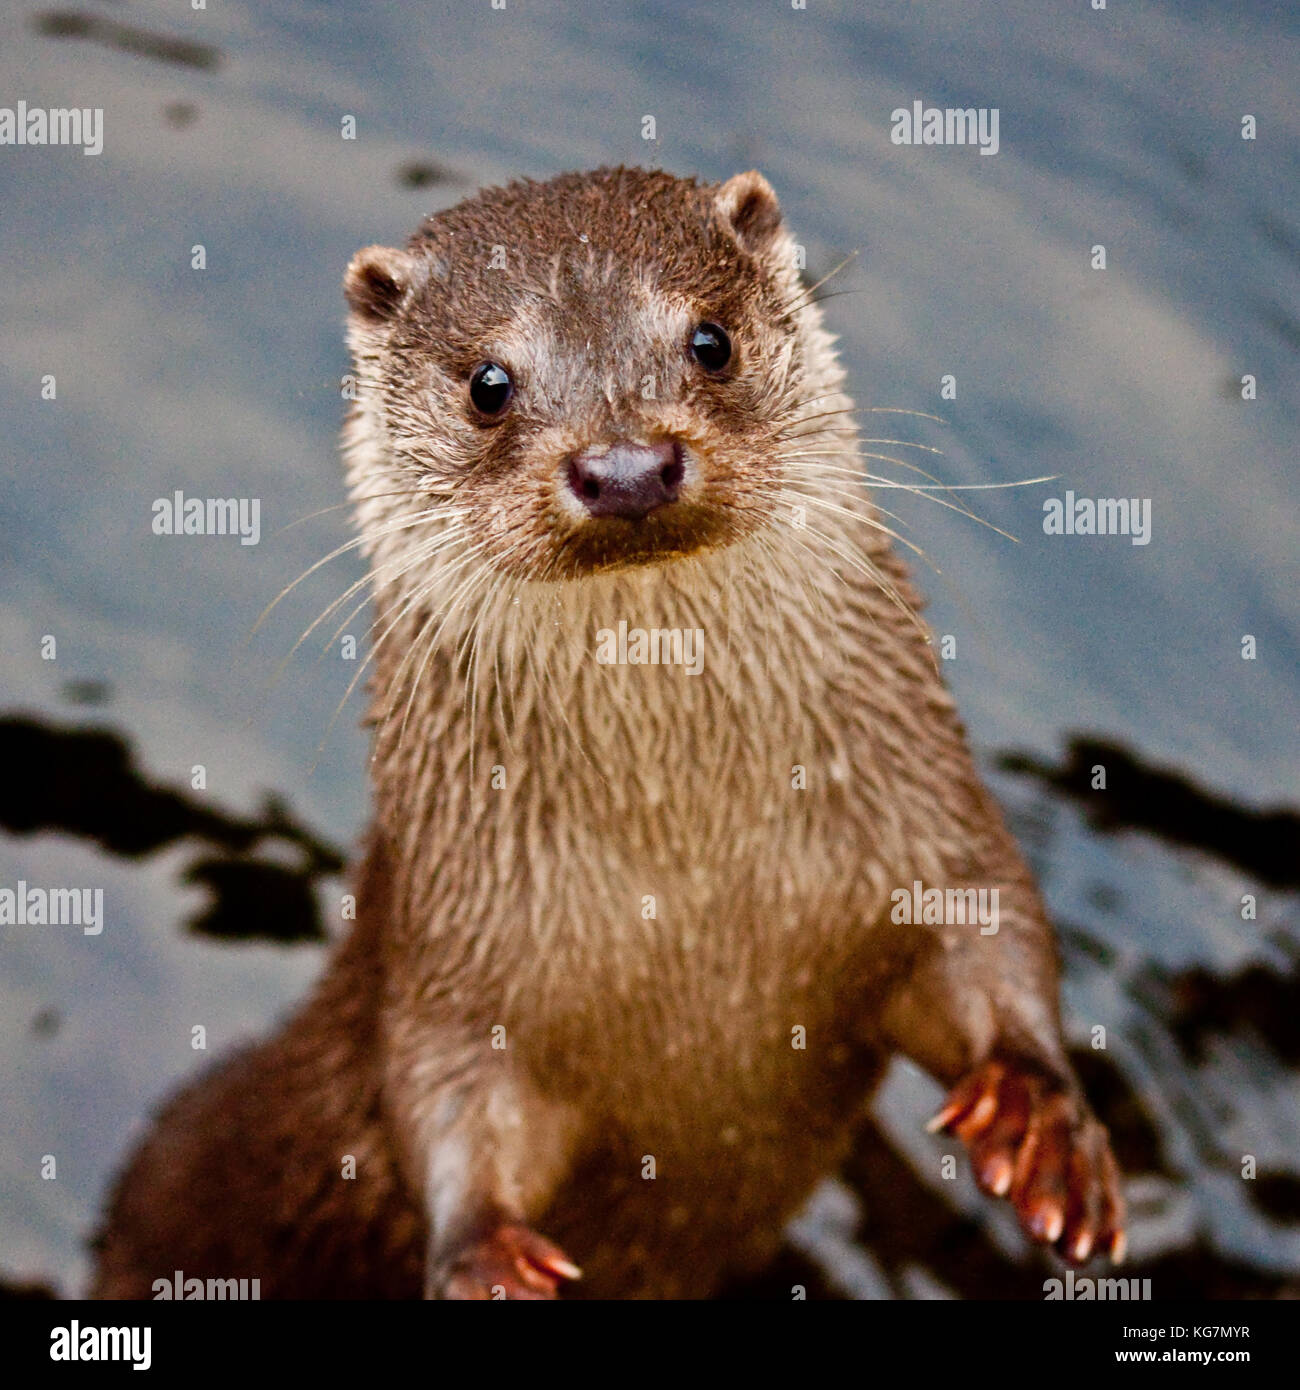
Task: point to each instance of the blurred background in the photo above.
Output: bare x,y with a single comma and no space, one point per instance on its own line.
223,128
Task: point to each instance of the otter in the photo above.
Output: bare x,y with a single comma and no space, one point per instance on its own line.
627,960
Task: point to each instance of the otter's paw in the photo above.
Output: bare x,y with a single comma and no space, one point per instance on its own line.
512,1262
1037,1144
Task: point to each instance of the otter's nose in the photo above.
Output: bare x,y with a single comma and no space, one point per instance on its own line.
627,480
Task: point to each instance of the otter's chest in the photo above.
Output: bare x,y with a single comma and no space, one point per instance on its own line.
731,981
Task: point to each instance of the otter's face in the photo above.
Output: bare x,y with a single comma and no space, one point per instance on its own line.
583,375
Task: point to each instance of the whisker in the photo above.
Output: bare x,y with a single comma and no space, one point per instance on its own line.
466,586
857,475
865,566
867,409
803,298
839,510
403,524
919,489
388,576
343,506
420,592
372,577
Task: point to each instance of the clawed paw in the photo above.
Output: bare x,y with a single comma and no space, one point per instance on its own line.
512,1262
1037,1144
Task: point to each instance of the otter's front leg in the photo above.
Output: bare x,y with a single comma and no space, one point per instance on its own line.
494,1156
979,1012
1033,1139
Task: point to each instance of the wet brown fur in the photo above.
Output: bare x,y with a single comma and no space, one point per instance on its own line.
522,907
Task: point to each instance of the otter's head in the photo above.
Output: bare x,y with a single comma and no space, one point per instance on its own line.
583,375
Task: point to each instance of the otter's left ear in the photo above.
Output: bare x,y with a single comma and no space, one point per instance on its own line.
749,207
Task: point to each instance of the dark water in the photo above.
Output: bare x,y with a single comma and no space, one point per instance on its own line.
222,128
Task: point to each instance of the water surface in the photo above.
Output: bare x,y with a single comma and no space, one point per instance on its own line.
222,129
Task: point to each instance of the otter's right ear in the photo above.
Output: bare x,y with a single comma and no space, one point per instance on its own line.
749,207
377,279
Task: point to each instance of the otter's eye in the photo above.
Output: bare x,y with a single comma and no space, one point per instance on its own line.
490,388
711,347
